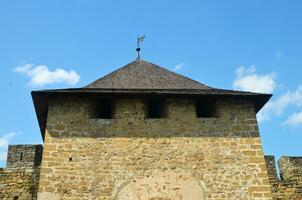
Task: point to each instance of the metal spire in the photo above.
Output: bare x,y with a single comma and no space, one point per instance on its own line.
139,40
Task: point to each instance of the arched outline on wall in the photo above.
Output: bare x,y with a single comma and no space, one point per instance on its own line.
130,179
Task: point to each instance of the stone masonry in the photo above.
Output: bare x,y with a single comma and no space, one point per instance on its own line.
88,158
289,185
19,180
24,156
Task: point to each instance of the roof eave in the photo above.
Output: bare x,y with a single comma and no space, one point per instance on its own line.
41,104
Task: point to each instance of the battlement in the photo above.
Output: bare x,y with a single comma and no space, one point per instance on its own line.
289,185
24,155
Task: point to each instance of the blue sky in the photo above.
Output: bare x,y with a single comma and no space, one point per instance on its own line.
247,45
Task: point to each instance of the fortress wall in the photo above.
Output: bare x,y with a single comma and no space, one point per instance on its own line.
220,158
289,187
291,168
19,183
25,155
20,178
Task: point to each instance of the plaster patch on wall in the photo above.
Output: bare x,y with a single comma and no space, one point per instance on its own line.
48,196
163,186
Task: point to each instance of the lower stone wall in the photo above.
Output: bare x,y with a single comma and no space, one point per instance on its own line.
289,185
161,168
19,183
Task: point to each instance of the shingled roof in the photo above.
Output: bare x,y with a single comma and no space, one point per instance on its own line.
140,74
141,78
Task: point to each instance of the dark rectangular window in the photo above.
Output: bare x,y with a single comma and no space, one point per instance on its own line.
156,108
205,108
103,109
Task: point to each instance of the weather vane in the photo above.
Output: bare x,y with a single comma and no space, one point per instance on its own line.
139,40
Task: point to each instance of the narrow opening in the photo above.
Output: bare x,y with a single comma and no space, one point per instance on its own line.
21,156
205,108
103,109
156,108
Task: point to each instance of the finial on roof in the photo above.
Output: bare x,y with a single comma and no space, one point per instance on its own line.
139,40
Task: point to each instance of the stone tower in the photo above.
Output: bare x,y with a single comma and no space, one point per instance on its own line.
19,180
24,155
143,132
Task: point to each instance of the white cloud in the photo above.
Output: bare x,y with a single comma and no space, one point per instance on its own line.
178,67
4,141
24,68
294,120
40,75
278,106
247,80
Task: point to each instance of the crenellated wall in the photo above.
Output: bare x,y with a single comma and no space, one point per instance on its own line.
289,185
145,133
130,156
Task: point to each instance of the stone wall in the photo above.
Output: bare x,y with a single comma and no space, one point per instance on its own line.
19,183
215,158
19,180
289,185
24,155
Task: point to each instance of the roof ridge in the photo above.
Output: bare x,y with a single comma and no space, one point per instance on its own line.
170,71
154,76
